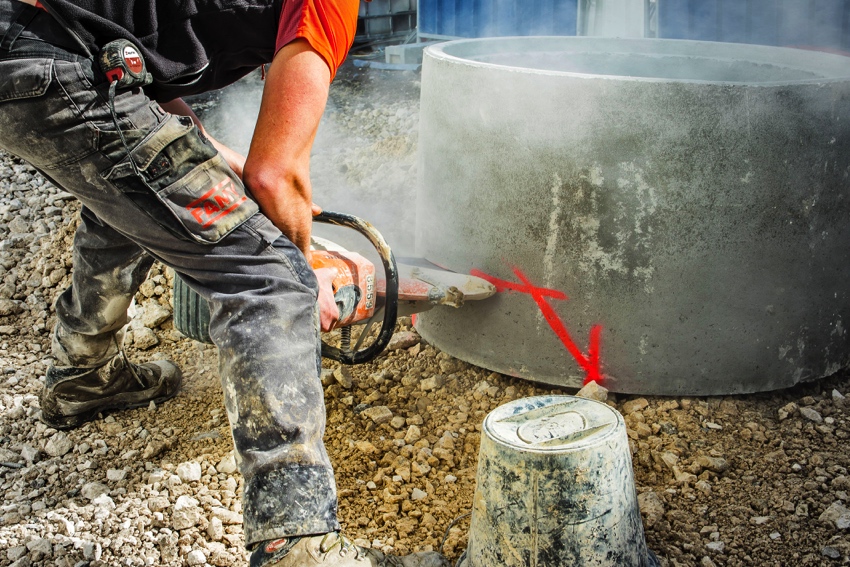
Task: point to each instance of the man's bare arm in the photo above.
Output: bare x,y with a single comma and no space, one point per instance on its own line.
277,170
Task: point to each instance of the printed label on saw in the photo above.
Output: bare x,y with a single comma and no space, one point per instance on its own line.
370,292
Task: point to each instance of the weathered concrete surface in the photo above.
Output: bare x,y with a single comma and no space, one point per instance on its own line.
555,487
695,213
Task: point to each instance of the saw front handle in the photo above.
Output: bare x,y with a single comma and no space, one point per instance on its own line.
390,307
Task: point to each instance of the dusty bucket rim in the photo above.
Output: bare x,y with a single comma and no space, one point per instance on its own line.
831,67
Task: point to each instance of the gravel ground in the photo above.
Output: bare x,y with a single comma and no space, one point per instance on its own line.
746,480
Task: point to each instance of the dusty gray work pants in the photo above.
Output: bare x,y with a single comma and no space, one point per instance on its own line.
181,204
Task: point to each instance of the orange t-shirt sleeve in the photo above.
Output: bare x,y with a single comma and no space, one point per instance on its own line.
328,25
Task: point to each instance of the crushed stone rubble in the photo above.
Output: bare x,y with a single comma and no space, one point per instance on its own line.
745,480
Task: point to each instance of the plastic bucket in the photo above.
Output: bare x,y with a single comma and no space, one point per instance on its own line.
555,488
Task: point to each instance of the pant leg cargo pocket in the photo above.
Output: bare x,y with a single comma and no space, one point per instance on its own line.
24,78
185,184
210,201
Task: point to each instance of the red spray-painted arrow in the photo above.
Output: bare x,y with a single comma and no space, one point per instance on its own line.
589,362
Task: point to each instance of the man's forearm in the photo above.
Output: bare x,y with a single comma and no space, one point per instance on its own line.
285,197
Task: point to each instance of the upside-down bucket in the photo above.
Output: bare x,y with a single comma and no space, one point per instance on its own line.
555,488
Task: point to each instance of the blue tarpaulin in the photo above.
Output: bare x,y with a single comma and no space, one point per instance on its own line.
791,23
491,18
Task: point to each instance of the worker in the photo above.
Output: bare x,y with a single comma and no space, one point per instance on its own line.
105,122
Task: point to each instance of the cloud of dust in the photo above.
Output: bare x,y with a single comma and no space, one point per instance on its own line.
360,165
231,120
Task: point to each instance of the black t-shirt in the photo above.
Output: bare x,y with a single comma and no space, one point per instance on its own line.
189,46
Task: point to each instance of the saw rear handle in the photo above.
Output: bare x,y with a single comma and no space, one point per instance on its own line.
346,355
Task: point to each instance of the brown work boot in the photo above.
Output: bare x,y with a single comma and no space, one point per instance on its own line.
334,550
72,396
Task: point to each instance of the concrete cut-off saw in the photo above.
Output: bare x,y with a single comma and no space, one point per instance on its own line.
362,296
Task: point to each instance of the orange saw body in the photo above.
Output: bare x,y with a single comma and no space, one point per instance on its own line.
421,285
351,269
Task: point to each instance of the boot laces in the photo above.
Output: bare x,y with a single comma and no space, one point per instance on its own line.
130,367
345,545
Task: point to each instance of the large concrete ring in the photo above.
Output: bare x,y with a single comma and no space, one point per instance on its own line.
668,217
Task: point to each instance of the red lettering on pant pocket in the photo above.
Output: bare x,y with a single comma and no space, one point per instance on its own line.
216,203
